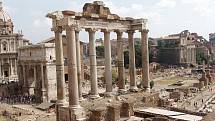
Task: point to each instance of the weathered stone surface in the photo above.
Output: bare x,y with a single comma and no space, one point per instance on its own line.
113,113
126,109
98,114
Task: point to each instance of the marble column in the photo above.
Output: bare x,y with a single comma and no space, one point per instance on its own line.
120,61
11,67
93,64
72,68
24,78
145,60
15,67
108,67
0,68
132,68
59,66
79,71
44,96
35,79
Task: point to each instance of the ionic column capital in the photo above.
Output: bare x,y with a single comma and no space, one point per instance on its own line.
91,30
57,29
77,30
119,32
130,31
146,31
106,30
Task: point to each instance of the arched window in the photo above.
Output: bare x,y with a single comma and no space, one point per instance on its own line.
4,45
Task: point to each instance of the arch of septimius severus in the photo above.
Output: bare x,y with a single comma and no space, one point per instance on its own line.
95,17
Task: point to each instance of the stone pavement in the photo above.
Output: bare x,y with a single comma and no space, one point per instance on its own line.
200,99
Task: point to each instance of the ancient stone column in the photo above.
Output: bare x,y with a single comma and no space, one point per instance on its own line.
93,64
59,65
44,96
35,78
72,68
24,78
0,68
132,68
120,61
79,71
145,60
108,67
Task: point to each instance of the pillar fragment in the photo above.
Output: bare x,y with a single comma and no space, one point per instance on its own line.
93,64
145,60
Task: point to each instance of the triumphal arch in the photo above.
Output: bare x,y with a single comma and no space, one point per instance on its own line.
95,17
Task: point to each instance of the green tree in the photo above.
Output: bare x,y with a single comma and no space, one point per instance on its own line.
200,57
152,84
100,51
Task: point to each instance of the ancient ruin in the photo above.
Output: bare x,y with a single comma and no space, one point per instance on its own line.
95,17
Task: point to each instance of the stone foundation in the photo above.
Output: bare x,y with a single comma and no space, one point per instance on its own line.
69,114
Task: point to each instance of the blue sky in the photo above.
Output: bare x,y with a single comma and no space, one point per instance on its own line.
165,16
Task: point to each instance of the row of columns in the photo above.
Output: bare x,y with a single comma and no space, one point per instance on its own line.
12,69
74,65
43,74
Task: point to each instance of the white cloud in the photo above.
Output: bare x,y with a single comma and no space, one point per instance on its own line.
166,4
202,7
42,23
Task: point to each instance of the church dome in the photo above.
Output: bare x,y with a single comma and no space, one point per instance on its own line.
6,24
4,16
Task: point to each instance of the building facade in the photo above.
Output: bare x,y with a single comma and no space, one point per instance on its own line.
9,44
179,48
37,71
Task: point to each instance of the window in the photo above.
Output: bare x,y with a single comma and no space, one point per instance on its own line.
5,46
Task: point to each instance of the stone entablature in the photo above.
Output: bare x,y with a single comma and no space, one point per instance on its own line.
41,52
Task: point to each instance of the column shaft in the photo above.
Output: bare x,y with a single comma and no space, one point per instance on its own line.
132,68
145,60
44,96
72,68
120,63
79,71
59,66
108,68
93,64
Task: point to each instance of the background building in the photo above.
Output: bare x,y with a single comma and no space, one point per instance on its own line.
9,43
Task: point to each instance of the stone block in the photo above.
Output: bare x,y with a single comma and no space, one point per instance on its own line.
63,113
98,114
126,109
77,114
113,113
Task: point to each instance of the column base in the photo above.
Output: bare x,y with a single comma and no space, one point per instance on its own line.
108,94
94,96
133,89
147,89
77,113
